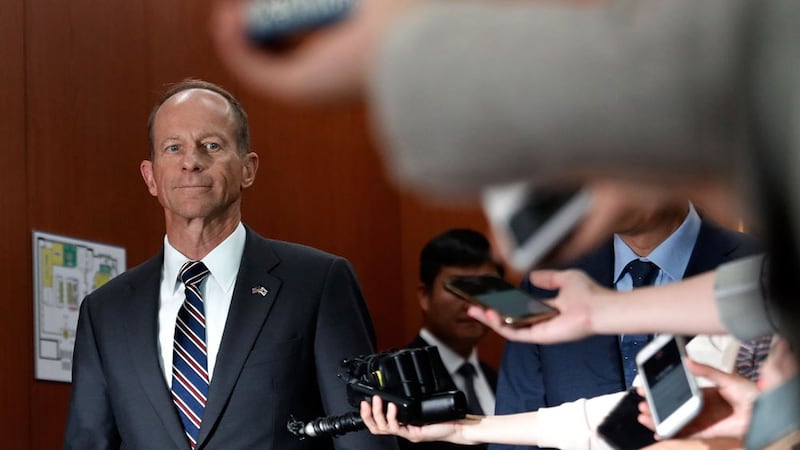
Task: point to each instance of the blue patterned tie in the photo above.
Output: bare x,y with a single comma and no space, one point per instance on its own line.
643,273
189,357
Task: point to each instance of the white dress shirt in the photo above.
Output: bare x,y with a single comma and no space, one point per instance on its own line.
452,361
671,256
223,263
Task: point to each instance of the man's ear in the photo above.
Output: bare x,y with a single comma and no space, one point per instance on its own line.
146,169
249,169
424,297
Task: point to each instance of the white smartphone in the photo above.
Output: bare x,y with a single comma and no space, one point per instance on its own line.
671,390
270,22
528,223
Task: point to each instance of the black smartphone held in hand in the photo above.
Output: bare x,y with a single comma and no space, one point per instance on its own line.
529,222
621,428
272,21
516,307
671,391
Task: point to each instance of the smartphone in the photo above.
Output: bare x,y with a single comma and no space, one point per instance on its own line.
621,428
516,307
271,21
671,391
528,223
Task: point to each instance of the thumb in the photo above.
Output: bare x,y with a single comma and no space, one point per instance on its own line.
547,279
713,374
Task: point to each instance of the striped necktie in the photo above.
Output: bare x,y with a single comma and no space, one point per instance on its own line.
189,358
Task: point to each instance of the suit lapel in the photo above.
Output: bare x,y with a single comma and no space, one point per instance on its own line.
710,249
142,314
599,264
253,296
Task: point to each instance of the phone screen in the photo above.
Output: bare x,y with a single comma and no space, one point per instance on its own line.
665,375
540,205
496,293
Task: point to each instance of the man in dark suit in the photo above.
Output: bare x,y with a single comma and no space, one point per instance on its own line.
679,243
214,342
453,253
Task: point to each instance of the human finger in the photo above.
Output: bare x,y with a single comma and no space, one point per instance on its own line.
378,415
367,417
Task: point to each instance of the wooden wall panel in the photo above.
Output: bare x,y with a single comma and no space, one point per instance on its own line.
320,184
93,72
16,329
86,76
85,105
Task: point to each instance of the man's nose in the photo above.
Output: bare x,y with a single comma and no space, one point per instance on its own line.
193,159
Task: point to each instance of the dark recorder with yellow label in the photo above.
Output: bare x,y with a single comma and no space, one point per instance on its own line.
515,306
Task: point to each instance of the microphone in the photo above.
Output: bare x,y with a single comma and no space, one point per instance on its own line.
415,380
326,426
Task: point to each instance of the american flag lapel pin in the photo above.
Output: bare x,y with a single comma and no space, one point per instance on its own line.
259,290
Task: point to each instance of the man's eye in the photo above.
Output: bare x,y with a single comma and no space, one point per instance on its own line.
173,148
211,146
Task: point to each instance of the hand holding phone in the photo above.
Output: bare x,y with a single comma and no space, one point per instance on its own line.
516,307
530,222
670,388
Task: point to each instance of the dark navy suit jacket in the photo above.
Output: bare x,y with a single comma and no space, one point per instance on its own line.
491,377
280,355
535,376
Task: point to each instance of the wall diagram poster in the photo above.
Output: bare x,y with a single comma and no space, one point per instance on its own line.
65,270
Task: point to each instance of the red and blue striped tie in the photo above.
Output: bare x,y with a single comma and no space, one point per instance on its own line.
189,358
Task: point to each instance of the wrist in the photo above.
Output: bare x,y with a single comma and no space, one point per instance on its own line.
602,312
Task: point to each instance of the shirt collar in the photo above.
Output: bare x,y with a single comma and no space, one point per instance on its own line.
671,256
217,260
452,360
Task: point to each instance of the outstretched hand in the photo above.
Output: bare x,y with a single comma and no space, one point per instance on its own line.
577,301
326,66
726,407
381,424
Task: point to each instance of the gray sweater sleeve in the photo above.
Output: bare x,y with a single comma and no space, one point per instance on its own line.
467,94
741,305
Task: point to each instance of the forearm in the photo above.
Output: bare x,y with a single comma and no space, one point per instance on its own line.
688,307
569,426
515,429
727,300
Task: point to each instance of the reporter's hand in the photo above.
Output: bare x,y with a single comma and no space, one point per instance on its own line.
381,424
620,204
328,65
577,300
617,206
780,366
726,407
